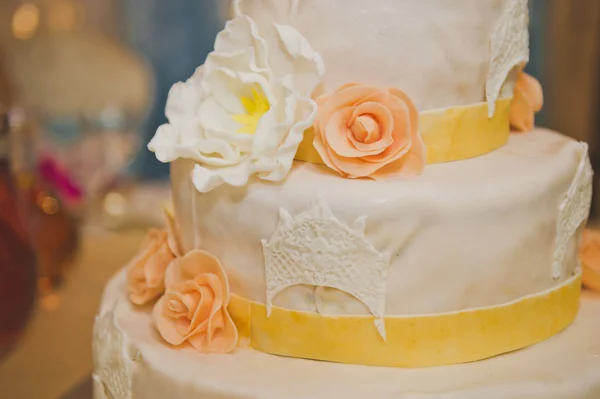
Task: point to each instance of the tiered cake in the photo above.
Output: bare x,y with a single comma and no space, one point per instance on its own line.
347,188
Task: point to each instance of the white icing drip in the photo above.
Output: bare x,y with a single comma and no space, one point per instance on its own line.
236,7
509,48
315,248
573,211
294,8
113,365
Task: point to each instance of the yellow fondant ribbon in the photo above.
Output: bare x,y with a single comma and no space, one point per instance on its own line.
449,134
411,341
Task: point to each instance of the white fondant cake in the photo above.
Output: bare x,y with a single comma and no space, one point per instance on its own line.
564,367
346,188
440,52
463,235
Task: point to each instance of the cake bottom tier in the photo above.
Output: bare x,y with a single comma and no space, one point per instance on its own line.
131,361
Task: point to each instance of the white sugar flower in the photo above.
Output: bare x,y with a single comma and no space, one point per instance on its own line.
245,111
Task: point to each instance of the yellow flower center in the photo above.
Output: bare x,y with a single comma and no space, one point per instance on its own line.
255,106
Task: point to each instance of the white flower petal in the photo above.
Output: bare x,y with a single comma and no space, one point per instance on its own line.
228,86
184,98
267,137
307,110
280,64
165,145
274,127
298,60
189,131
225,89
241,141
207,179
213,117
242,33
216,152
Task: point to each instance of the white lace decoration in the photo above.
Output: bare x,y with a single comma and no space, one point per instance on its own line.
574,210
113,365
315,248
509,48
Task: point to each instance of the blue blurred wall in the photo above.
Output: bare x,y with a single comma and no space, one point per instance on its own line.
175,36
535,67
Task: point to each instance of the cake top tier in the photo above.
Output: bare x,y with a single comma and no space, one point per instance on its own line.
369,88
441,53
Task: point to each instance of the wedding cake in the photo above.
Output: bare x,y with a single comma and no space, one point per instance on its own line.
362,207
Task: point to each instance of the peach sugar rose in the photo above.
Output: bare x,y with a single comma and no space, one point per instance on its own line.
528,99
366,131
146,271
194,307
590,259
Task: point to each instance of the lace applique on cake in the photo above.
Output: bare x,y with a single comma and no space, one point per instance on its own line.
315,248
113,366
574,210
509,48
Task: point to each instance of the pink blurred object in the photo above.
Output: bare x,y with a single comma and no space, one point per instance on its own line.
59,181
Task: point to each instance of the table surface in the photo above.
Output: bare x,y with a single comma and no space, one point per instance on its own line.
55,354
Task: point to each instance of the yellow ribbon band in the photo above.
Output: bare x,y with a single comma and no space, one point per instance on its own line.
450,134
415,341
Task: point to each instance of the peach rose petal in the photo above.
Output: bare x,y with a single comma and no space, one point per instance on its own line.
410,165
325,156
382,121
528,99
165,320
150,245
412,109
347,97
356,168
522,118
145,272
336,133
200,341
590,259
194,309
193,299
379,132
371,148
226,340
176,308
211,299
215,324
365,129
348,85
414,161
194,263
532,90
364,126
401,133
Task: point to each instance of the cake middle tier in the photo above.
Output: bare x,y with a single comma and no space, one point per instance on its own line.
464,235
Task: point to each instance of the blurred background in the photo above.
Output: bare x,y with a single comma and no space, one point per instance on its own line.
83,85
